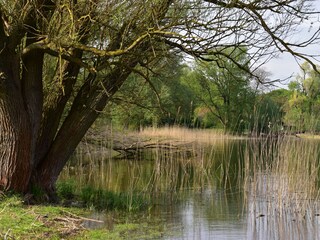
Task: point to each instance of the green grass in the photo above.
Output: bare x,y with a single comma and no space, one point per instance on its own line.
106,200
126,231
100,199
20,221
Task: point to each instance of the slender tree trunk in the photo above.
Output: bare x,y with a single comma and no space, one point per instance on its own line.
90,101
53,110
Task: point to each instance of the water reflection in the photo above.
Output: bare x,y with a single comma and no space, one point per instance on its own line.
207,215
231,189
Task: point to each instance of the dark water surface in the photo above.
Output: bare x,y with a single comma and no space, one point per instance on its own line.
221,190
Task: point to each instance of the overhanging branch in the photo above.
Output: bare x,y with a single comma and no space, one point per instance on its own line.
49,48
118,52
284,44
60,51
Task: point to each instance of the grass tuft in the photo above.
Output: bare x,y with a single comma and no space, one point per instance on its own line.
66,189
106,200
100,199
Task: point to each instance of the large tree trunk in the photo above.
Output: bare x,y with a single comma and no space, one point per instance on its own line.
15,128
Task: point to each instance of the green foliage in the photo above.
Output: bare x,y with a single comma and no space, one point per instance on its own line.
266,116
223,89
106,200
269,109
279,97
158,100
216,94
99,199
303,107
205,119
66,189
294,85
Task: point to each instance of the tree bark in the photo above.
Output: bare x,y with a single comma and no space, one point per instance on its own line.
32,91
15,128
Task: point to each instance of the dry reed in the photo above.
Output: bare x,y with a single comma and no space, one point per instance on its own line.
282,169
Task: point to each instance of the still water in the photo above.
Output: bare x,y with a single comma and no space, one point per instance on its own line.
227,189
207,215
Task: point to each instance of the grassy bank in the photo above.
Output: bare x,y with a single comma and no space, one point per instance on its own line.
20,221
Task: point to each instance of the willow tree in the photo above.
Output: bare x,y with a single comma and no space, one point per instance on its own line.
62,61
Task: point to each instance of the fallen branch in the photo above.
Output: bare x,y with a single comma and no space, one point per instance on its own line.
131,146
82,218
140,147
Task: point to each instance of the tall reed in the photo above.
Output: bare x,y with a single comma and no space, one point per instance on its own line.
282,184
183,159
276,173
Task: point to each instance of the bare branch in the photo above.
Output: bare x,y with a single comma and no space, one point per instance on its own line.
115,53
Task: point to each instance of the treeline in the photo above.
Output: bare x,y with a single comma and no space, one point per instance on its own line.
216,93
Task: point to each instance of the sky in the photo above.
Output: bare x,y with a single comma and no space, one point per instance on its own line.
285,65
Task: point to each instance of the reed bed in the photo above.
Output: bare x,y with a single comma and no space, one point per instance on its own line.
161,172
282,185
285,168
188,134
278,177
274,178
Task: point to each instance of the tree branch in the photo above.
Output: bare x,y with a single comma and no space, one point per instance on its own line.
115,53
284,44
152,87
3,26
49,48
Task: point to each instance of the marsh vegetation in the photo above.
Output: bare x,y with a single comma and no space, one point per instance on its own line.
222,186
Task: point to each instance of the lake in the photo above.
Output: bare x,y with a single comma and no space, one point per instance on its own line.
219,189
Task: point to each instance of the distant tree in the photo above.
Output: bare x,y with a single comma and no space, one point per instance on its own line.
261,81
295,112
280,96
303,108
224,89
61,62
156,97
268,111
